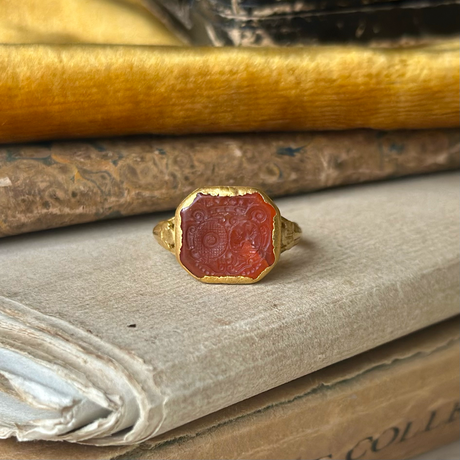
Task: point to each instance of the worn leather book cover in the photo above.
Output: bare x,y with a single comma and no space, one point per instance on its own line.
55,184
105,340
281,23
393,402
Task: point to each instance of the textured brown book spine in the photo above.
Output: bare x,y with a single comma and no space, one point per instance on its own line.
63,183
56,184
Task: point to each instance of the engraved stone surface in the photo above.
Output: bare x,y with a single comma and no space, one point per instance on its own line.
227,236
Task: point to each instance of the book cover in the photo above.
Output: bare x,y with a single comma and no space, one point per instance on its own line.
76,91
392,402
105,340
275,23
55,184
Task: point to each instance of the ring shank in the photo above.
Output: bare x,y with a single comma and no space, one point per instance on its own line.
290,234
164,234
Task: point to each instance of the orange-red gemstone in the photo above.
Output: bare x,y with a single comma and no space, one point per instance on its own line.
227,235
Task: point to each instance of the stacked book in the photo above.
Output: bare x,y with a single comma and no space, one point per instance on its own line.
288,22
349,349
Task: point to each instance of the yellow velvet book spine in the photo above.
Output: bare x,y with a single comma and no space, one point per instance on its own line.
59,91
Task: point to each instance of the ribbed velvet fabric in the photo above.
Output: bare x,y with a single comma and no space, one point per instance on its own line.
68,91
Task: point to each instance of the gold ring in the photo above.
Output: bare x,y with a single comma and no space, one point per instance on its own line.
230,235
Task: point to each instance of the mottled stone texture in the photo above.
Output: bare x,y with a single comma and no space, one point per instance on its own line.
56,184
227,236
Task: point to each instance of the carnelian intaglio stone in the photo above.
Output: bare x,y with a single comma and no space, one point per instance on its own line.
227,235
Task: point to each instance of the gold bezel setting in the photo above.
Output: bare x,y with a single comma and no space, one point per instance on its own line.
228,191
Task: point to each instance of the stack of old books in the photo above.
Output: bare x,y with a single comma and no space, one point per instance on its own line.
349,349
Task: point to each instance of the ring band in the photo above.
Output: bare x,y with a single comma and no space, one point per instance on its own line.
230,235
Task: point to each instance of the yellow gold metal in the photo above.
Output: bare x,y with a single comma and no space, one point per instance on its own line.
290,234
164,234
285,235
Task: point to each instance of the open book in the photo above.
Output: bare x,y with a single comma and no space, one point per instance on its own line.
105,340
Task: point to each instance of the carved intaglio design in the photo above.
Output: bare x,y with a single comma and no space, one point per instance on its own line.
227,235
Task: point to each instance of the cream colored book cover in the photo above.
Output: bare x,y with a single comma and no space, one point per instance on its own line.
105,340
392,402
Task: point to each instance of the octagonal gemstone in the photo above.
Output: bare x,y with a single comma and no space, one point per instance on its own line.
227,235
